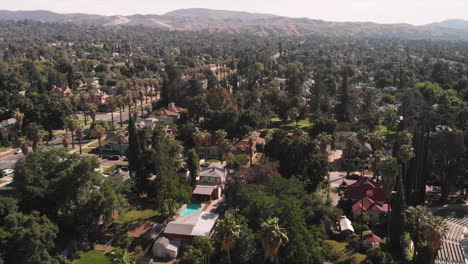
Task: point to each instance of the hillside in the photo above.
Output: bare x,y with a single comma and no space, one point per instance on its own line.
251,23
452,23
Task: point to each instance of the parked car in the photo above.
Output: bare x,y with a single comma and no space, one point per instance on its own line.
353,177
8,171
18,151
114,157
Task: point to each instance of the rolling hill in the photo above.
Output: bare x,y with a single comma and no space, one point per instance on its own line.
208,20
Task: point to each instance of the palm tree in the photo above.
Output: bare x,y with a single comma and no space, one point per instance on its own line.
99,131
376,159
71,123
111,102
427,233
219,137
323,139
120,100
226,148
201,139
434,232
405,154
35,134
92,109
24,145
120,140
66,139
272,237
19,120
79,135
83,98
228,232
120,256
349,139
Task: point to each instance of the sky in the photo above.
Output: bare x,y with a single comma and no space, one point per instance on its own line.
416,12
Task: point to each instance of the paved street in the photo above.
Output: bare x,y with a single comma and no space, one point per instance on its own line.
10,161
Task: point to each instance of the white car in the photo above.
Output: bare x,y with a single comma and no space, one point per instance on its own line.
8,171
18,151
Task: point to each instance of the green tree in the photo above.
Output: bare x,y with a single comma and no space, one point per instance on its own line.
28,238
272,238
227,232
193,163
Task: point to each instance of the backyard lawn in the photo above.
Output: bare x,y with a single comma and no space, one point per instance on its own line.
93,257
137,215
341,246
277,122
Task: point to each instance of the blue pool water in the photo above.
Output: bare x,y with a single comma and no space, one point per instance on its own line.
191,209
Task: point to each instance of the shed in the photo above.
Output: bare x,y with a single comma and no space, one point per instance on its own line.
165,248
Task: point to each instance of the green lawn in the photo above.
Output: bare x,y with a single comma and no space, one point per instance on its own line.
86,150
341,246
93,257
384,130
337,246
4,149
277,122
94,144
137,215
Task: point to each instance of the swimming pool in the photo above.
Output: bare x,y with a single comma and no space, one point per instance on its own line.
191,209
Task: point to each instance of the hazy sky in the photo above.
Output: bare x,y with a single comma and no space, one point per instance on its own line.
415,12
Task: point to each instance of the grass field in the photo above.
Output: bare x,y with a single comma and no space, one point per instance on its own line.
110,169
341,246
137,215
4,149
275,122
93,257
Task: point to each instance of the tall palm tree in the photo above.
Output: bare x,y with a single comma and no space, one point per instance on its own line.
376,159
427,232
24,145
202,139
99,131
349,140
434,232
405,154
92,110
272,237
227,232
71,122
35,134
79,135
120,141
83,98
19,120
111,102
219,137
120,100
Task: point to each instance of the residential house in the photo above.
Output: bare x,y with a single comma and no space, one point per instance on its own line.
8,129
61,91
165,248
210,182
147,122
345,225
365,187
189,226
372,239
111,145
249,144
170,113
375,210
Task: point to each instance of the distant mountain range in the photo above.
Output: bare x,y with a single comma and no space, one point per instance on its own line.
198,19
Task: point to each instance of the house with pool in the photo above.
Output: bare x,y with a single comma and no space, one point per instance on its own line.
189,226
210,182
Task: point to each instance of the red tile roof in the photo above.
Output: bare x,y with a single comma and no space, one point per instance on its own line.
372,238
365,187
367,204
